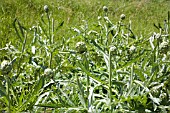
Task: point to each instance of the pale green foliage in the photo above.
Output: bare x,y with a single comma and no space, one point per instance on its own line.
117,70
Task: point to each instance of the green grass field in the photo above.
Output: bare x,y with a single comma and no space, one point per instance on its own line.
142,13
90,56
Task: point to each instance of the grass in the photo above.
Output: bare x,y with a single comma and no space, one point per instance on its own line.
73,12
75,57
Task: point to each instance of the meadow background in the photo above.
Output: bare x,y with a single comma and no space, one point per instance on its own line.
142,13
79,56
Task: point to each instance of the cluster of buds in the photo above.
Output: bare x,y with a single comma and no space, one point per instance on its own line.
81,47
6,67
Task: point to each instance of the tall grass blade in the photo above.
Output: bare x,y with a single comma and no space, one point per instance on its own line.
16,30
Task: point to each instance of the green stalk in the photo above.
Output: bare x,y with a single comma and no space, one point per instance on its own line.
88,78
52,36
112,51
49,28
24,43
88,91
168,22
51,42
129,28
22,52
49,31
131,76
16,30
51,56
81,90
8,96
110,80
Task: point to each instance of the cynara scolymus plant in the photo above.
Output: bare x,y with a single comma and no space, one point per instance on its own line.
134,72
24,68
102,68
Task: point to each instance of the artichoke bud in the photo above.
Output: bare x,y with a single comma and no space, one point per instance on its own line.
46,9
105,9
122,16
6,67
48,72
81,47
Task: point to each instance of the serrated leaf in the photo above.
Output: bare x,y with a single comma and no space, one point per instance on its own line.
154,99
32,96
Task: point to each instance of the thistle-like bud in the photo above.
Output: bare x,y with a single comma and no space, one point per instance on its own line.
164,46
81,47
48,72
157,35
105,9
122,16
46,9
6,67
132,49
113,50
163,96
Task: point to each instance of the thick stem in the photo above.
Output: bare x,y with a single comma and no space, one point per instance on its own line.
51,56
21,56
51,41
88,78
131,76
168,23
49,28
8,96
52,36
110,80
